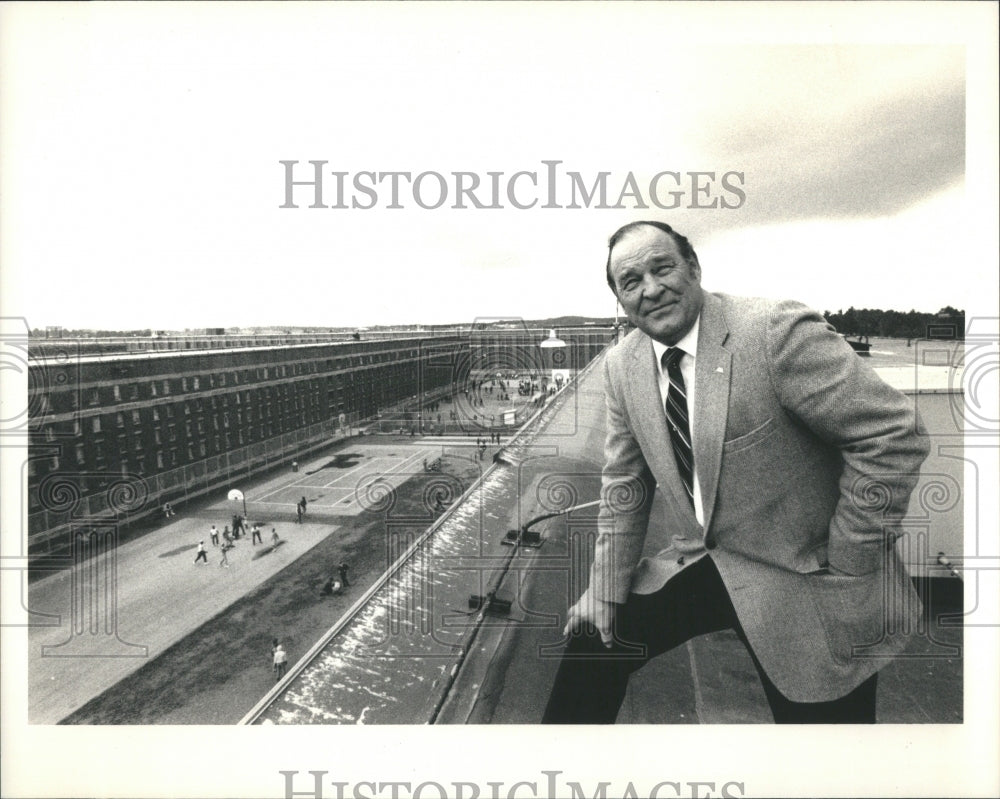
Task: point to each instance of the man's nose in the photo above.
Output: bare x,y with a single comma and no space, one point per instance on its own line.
651,286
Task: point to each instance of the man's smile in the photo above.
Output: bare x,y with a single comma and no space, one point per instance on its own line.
660,308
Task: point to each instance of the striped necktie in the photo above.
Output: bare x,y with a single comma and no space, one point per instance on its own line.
677,419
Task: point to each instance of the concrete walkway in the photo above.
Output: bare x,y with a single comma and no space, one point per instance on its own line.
159,594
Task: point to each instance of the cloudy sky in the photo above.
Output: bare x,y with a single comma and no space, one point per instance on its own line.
142,186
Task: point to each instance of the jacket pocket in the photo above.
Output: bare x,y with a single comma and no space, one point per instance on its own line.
852,610
755,436
814,561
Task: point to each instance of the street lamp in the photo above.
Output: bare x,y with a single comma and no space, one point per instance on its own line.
554,358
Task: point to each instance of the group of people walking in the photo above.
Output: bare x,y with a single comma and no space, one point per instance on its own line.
481,443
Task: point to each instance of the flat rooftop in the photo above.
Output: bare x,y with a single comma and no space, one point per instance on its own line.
507,677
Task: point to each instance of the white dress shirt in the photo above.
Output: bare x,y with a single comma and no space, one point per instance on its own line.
689,346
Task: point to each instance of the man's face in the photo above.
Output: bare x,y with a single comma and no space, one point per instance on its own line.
657,288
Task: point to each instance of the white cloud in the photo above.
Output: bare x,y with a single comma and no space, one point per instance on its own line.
145,184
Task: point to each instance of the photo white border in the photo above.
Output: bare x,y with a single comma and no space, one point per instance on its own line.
886,760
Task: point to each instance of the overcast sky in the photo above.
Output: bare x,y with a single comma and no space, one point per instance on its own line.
142,183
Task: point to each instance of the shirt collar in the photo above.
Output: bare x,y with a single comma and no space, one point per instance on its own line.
688,344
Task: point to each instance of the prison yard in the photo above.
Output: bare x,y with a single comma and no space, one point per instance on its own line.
216,672
190,642
391,500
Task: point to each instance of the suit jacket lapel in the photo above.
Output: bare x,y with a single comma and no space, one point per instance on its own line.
713,372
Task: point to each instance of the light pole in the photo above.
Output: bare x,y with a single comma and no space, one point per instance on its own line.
554,356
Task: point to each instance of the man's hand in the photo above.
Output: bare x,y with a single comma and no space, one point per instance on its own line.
590,610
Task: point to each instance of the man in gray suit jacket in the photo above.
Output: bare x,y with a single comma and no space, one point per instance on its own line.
784,461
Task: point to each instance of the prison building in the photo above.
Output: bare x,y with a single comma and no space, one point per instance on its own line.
123,434
120,427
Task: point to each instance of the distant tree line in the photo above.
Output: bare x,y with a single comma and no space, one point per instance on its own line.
948,323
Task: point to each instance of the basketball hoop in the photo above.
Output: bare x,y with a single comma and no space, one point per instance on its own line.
235,495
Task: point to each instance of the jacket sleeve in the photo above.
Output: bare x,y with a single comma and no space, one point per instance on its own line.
822,382
627,487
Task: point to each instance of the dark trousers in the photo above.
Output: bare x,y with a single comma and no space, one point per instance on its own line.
591,682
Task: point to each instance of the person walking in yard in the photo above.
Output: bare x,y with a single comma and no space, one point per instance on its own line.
343,574
225,555
302,502
202,554
298,512
256,535
214,533
280,662
274,537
